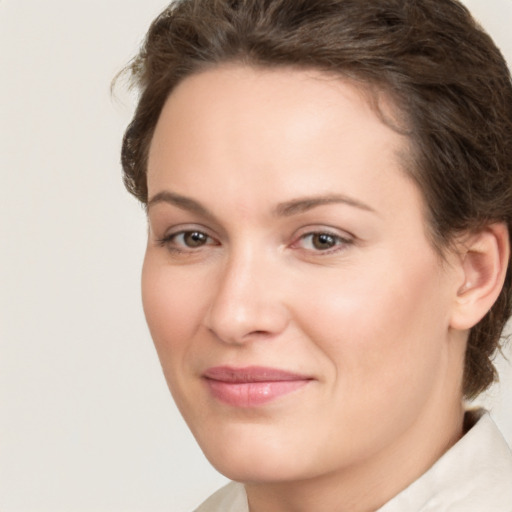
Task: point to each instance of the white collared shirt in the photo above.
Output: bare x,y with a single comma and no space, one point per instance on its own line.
475,475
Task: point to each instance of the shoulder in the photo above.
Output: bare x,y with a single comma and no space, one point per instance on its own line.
231,498
474,475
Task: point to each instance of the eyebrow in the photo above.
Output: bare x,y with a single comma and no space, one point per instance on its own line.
183,202
301,205
285,209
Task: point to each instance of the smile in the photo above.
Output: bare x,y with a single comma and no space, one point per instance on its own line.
251,386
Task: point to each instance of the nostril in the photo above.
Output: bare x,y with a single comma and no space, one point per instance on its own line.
258,335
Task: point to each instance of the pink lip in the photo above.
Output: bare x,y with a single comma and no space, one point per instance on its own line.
251,386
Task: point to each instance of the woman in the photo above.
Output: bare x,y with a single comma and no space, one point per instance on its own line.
329,195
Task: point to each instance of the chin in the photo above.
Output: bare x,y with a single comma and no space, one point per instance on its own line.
254,454
264,468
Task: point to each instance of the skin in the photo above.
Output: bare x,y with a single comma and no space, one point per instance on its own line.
369,320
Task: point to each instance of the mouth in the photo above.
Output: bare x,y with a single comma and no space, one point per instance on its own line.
251,386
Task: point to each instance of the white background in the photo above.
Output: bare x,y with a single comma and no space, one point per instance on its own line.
86,422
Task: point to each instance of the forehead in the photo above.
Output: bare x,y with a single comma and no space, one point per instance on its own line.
263,133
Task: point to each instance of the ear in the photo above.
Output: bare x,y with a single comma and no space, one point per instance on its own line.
483,258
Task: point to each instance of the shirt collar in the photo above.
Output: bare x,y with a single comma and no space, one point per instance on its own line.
474,475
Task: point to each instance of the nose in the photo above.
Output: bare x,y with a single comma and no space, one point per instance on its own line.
247,303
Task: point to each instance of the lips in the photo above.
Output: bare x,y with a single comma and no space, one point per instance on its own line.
251,386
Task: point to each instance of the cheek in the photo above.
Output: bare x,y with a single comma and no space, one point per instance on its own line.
172,308
381,334
379,327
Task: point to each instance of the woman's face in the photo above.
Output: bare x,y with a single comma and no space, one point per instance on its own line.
300,314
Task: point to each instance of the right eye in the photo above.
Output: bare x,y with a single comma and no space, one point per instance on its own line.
187,240
191,239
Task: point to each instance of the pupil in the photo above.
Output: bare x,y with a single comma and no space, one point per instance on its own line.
195,239
323,241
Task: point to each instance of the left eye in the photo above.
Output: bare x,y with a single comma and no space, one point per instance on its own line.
321,241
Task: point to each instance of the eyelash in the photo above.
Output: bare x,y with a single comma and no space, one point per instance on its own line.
340,242
168,241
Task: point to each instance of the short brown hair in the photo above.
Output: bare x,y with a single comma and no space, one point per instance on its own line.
444,73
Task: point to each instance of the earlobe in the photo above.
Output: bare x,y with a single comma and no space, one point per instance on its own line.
483,259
